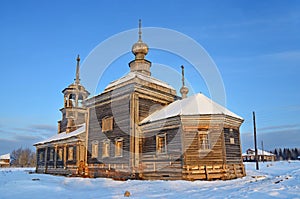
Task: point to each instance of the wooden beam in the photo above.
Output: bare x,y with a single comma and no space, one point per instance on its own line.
46,165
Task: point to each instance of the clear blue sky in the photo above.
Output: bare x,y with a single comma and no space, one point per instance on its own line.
255,44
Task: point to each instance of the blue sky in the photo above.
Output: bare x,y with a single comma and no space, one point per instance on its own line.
255,44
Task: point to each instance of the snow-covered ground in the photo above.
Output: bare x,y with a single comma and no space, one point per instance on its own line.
273,180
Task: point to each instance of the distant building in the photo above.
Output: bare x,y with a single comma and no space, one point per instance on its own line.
249,156
5,160
139,128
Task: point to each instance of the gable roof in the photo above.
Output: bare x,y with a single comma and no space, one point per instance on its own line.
197,104
63,135
5,157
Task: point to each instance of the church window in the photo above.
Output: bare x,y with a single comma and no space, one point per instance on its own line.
203,140
231,134
161,143
60,154
107,124
119,147
71,153
95,149
105,148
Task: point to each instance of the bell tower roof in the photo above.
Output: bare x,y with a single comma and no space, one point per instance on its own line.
73,112
76,86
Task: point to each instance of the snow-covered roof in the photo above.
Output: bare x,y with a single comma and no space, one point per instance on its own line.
63,135
132,75
259,152
5,157
197,104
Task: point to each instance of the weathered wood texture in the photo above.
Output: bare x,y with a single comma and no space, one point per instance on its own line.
78,115
166,165
119,110
223,158
213,172
195,155
232,146
147,107
128,104
170,149
51,161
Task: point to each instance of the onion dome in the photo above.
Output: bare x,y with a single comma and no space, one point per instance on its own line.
140,49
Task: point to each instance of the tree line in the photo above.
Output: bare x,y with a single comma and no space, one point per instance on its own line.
286,153
23,157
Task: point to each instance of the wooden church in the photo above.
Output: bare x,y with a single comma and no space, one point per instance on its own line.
138,128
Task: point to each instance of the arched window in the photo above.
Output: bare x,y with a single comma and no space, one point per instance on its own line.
95,149
105,148
72,100
119,147
80,99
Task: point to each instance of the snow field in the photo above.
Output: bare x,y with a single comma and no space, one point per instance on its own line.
273,180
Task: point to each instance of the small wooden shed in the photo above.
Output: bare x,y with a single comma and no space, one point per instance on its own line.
5,160
249,156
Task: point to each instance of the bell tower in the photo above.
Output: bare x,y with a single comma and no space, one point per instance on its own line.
73,112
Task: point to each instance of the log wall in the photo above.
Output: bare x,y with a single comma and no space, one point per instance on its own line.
119,109
233,149
167,165
223,159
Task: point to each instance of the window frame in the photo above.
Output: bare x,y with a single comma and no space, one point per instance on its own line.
204,144
107,124
231,136
164,145
106,148
120,149
95,149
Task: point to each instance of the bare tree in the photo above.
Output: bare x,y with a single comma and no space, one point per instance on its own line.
23,157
